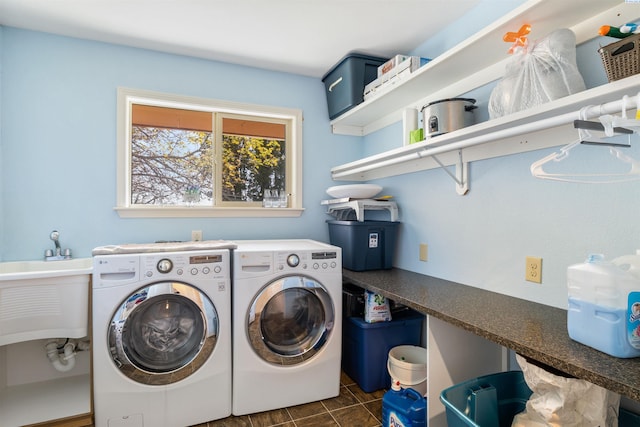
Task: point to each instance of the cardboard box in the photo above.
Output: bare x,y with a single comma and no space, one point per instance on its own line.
394,75
390,64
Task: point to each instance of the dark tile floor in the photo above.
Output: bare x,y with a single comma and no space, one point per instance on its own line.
353,407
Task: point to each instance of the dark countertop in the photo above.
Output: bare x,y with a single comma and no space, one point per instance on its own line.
531,329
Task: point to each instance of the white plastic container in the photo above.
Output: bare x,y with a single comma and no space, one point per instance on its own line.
408,365
604,304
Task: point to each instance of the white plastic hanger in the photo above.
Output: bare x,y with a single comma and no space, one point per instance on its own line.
586,137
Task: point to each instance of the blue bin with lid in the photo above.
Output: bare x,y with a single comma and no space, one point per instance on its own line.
344,83
366,245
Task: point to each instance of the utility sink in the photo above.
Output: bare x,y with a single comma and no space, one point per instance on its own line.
44,299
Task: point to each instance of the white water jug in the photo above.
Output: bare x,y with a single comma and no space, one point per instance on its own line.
604,304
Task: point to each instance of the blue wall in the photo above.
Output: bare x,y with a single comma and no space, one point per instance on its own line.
482,239
58,140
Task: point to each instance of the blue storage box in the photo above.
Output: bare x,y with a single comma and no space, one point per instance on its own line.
366,245
494,400
344,83
365,346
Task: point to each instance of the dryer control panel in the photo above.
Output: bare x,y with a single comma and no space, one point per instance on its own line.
307,260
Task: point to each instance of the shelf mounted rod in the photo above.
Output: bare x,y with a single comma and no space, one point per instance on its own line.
411,153
461,176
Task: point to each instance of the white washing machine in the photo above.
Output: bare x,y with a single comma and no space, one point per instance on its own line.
161,336
287,316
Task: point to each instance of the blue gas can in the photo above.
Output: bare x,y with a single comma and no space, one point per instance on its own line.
403,407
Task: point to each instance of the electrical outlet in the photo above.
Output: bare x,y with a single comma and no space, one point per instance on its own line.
196,235
424,252
533,269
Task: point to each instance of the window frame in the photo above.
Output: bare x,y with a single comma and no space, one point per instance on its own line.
293,118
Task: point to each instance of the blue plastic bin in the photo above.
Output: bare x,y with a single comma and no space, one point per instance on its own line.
365,346
344,83
366,245
494,400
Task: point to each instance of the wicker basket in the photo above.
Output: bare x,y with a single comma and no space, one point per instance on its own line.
622,58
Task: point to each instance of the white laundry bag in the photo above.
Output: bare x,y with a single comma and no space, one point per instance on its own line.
565,402
538,73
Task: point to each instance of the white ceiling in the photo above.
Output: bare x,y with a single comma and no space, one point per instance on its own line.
304,37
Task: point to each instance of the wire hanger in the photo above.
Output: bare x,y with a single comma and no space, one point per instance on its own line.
610,126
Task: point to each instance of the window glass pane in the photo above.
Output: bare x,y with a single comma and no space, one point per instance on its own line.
171,166
253,159
178,152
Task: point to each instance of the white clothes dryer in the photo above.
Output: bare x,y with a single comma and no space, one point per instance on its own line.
287,316
161,337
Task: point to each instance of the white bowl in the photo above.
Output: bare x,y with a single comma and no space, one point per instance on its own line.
354,191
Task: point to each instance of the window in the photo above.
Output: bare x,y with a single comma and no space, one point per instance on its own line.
186,157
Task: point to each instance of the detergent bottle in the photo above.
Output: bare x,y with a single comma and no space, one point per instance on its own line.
604,304
403,407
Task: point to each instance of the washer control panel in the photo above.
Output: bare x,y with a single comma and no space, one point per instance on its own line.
187,265
308,260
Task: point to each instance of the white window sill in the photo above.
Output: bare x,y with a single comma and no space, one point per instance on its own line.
206,212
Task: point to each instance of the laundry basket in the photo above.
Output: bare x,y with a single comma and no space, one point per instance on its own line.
494,400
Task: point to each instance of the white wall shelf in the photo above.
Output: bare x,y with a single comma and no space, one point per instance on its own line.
448,75
545,126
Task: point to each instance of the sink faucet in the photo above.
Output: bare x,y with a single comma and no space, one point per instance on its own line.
59,254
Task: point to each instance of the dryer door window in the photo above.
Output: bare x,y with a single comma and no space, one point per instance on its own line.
163,333
290,320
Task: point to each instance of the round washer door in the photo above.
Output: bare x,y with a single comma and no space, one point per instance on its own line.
163,333
290,320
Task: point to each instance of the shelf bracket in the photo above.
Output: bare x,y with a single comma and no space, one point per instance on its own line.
461,177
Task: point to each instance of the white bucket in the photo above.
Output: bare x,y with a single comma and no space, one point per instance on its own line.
408,365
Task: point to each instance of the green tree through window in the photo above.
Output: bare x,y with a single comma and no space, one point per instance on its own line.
250,166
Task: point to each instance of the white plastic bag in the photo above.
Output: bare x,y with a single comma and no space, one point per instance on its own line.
539,73
565,402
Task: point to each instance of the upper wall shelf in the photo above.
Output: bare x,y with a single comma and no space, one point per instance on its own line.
448,75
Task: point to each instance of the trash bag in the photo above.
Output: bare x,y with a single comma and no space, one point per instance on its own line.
538,73
565,402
